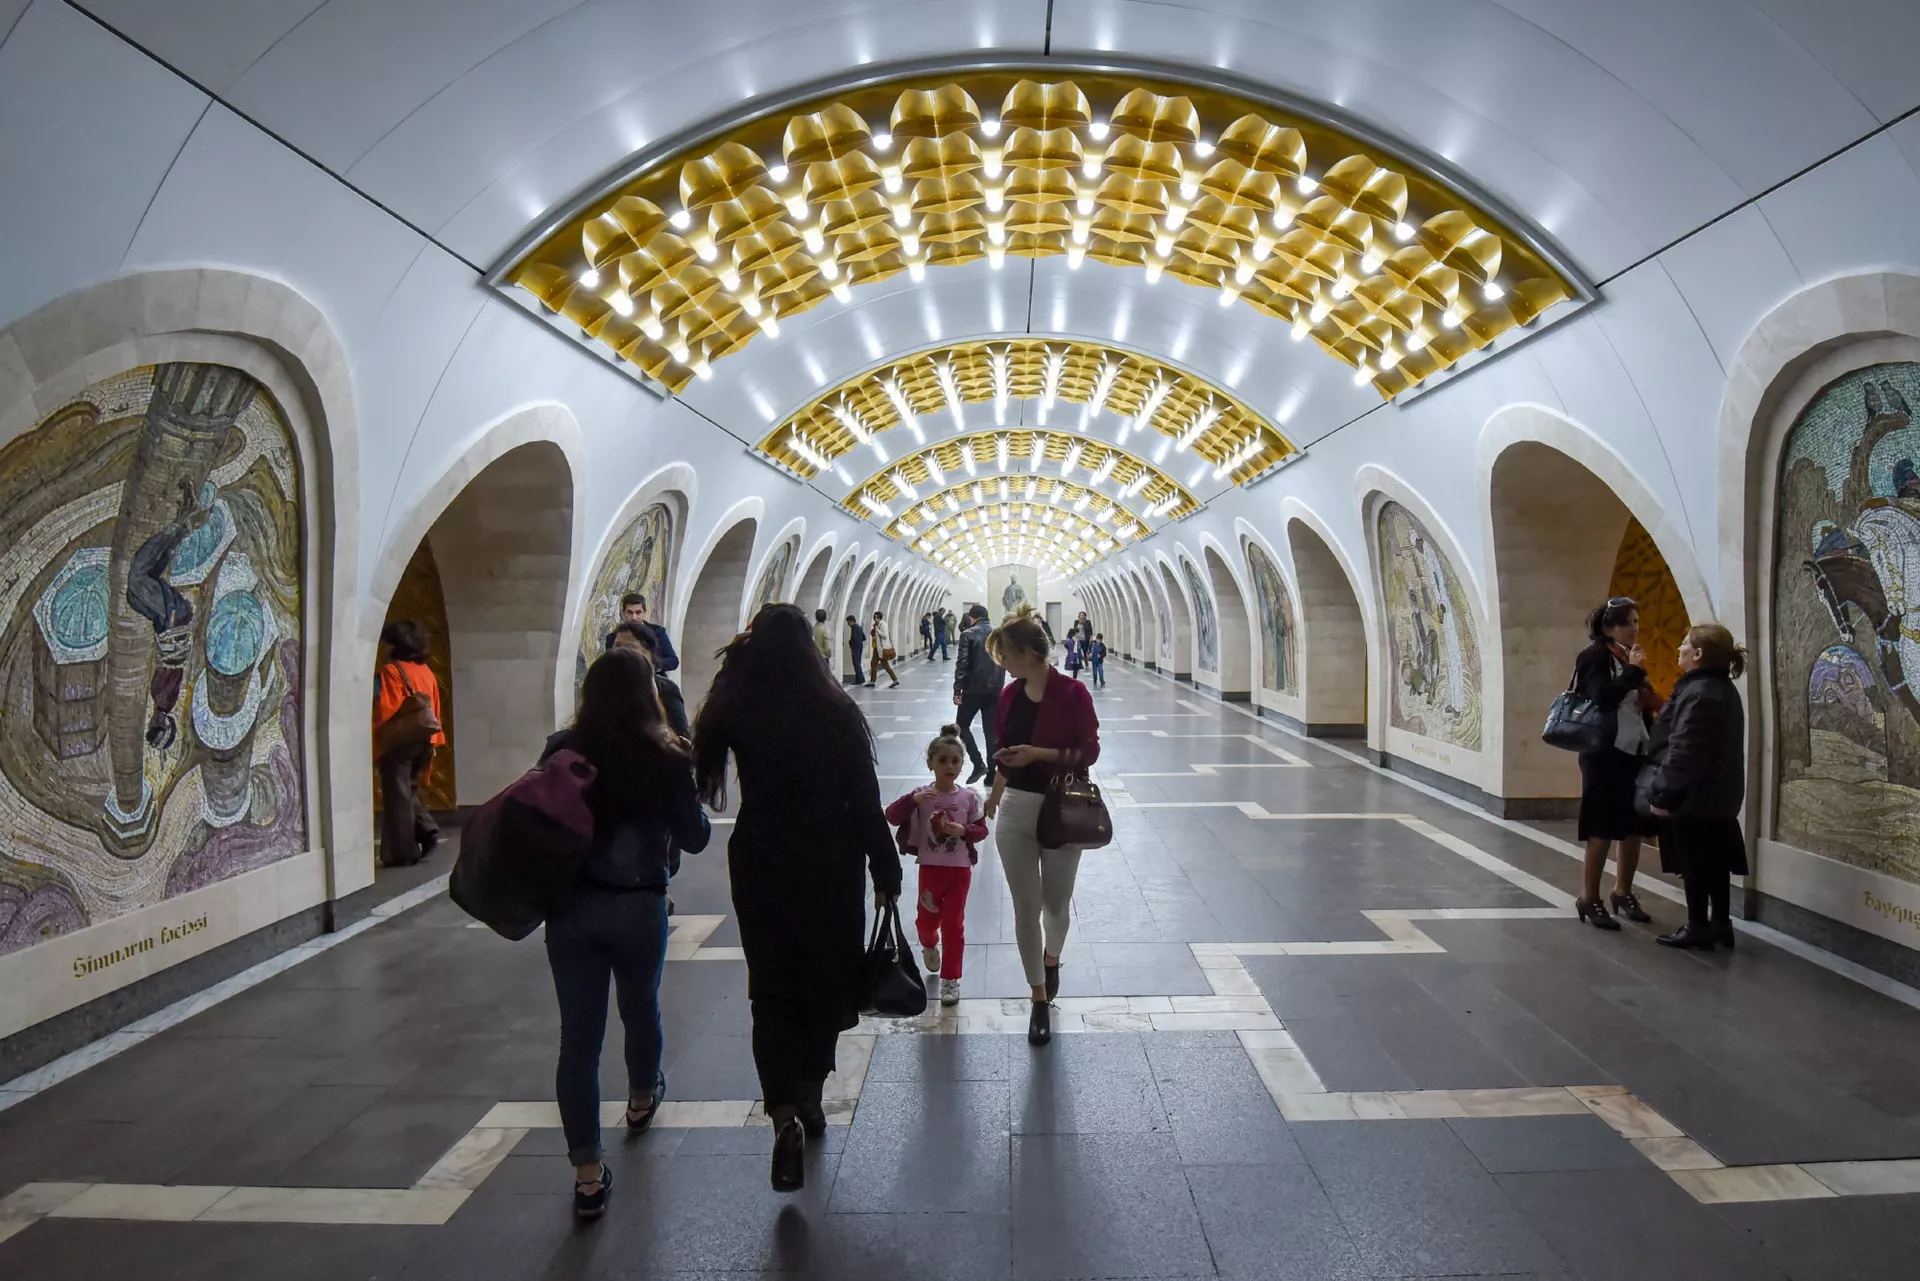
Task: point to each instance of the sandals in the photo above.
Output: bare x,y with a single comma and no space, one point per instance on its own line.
592,1205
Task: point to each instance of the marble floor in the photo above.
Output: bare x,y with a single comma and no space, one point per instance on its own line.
1315,1023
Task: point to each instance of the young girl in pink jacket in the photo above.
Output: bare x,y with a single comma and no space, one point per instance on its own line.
942,824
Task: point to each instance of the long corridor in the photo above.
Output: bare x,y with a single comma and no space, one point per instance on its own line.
1315,1023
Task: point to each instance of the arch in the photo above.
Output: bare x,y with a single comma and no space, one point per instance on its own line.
1230,595
773,581
1555,530
714,593
284,341
629,559
1173,596
1132,645
1274,626
504,546
856,606
1159,619
811,585
833,596
1336,634
751,507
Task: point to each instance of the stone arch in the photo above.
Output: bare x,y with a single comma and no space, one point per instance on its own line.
775,575
833,596
1173,597
273,333
715,590
1555,530
811,584
593,610
1134,646
1274,622
1157,645
1230,596
1336,634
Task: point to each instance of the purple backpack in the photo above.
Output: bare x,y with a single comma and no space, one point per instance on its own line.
521,852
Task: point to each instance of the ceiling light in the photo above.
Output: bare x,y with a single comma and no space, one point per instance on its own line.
1319,311
681,219
841,292
881,141
1243,272
1451,319
797,206
916,269
996,256
590,278
996,199
875,506
622,304
829,269
900,483
1084,206
1097,130
1076,254
1090,166
813,457
990,163
990,127
770,325
814,238
1154,268
903,214
1227,295
944,371
1362,374
1106,468
1492,291
1138,483
1103,384
777,172
1038,452
650,326
1080,504
1205,419
1002,446
933,468
702,369
1371,262
1305,184
1073,456
703,246
851,421
751,305
1176,214
1402,232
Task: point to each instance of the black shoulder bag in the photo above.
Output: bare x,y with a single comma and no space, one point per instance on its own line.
1578,724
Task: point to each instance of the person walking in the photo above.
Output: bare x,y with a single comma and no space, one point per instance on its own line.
1074,662
1046,725
926,635
942,626
881,638
1611,671
1097,658
1698,759
857,646
633,609
977,681
808,835
1084,626
944,825
823,637
612,927
673,703
407,831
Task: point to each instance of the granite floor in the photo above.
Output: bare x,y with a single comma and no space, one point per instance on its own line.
1315,1023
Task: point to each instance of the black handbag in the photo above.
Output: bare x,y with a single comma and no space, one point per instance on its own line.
1578,724
891,985
1073,813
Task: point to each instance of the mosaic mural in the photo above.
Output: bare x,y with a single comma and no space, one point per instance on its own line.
419,597
1206,624
1641,573
1158,594
772,583
1278,645
150,647
1431,644
640,560
1846,624
837,589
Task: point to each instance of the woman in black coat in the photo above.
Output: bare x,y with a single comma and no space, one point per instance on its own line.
1611,671
809,832
1698,784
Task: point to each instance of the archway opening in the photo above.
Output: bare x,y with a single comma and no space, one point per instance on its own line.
1333,639
1179,626
1563,542
420,598
1235,672
713,609
855,608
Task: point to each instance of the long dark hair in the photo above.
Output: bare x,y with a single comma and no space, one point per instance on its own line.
622,729
772,682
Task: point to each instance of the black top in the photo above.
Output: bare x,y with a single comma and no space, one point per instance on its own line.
1020,719
1699,745
640,825
975,674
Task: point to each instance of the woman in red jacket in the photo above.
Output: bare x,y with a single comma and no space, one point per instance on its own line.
1047,724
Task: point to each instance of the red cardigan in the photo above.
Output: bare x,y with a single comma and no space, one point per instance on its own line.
1065,718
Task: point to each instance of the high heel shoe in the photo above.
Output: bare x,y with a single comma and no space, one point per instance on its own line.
1039,1024
811,1112
789,1172
1591,909
1698,937
1628,905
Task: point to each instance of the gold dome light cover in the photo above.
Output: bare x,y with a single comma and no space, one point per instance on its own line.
943,464
1043,501
1122,382
1383,261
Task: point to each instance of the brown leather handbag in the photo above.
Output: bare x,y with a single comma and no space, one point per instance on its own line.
1073,813
412,723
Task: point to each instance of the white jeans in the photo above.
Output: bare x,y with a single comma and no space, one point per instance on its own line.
1041,881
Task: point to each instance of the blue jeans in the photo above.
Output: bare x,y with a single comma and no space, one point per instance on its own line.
939,643
1099,671
601,935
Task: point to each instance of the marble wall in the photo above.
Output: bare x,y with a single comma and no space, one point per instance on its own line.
1206,620
1279,670
1432,648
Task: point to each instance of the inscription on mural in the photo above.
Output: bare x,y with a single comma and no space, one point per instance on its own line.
1278,647
150,596
1846,624
1206,624
640,560
1431,646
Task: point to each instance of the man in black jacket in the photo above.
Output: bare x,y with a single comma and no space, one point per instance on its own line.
977,681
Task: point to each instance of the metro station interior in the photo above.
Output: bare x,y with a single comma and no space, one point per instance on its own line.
1330,383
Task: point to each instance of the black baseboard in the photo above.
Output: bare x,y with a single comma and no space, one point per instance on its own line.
1312,729
1520,808
48,1039
1185,678
1236,696
1152,666
1849,942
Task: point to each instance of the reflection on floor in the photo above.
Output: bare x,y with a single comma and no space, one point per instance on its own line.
1280,944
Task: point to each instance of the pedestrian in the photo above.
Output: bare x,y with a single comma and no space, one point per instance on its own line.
1046,725
823,637
407,831
633,609
1084,626
1097,658
881,638
977,681
945,824
613,925
857,646
672,702
808,834
1073,653
942,626
1611,671
926,635
1698,758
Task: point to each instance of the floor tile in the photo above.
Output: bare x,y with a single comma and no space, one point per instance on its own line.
1103,1205
1633,1225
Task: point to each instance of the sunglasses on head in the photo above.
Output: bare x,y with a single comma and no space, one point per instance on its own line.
1621,602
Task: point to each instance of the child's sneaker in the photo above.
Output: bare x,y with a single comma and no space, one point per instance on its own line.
930,957
949,991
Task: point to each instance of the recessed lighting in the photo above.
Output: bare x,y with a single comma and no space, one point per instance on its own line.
1097,130
622,303
1204,147
990,127
1402,231
881,141
1362,375
1305,184
590,278
681,218
1492,291
777,172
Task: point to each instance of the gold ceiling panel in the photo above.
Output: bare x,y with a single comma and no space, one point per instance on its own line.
1385,266
991,373
934,466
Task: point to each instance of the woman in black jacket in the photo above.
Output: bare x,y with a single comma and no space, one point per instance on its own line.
1699,783
1611,671
614,924
809,832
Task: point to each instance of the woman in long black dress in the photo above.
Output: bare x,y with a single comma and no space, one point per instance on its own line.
810,830
1700,784
1611,671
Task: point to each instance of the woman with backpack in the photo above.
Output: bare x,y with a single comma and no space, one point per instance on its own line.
406,729
809,832
613,925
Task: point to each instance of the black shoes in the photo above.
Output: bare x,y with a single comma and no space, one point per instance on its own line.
1723,932
789,1172
638,1121
1053,981
1591,909
592,1206
1039,1024
1628,906
979,772
1701,938
812,1114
